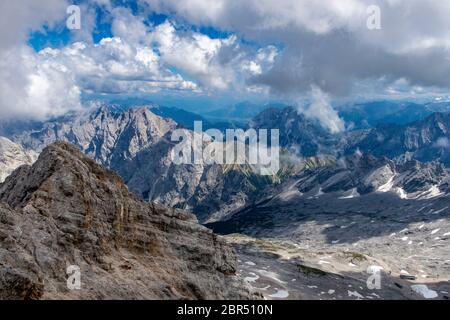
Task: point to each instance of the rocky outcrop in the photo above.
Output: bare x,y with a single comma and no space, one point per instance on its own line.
67,210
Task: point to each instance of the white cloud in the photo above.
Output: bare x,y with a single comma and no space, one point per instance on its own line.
442,143
138,58
321,43
116,66
31,87
195,54
263,60
327,43
127,26
258,15
405,23
321,110
18,18
252,67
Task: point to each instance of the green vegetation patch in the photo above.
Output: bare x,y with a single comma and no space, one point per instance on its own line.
310,270
356,256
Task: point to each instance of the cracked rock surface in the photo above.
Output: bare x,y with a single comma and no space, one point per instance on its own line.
68,210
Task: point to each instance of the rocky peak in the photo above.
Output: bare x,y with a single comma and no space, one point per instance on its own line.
68,210
425,140
104,134
296,132
437,119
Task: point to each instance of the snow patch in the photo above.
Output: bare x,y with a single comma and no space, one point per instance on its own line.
374,269
401,193
355,294
353,194
280,294
404,272
289,195
424,291
431,193
387,186
435,231
271,275
251,279
319,193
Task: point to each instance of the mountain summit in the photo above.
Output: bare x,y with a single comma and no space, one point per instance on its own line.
66,210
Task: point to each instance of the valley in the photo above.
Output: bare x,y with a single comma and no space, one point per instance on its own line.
296,248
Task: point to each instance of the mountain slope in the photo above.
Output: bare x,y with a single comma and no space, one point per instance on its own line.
425,140
12,156
105,135
137,145
327,226
362,174
371,114
180,116
304,137
208,190
333,188
67,210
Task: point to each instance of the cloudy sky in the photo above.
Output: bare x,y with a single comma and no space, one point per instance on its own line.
220,51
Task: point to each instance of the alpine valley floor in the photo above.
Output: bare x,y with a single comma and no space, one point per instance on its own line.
286,253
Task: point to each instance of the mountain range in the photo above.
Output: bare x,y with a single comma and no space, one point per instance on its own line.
370,114
136,144
424,140
374,182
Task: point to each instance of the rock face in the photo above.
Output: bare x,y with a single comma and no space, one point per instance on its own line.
106,135
305,137
137,145
67,210
12,156
357,184
363,174
424,140
210,191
